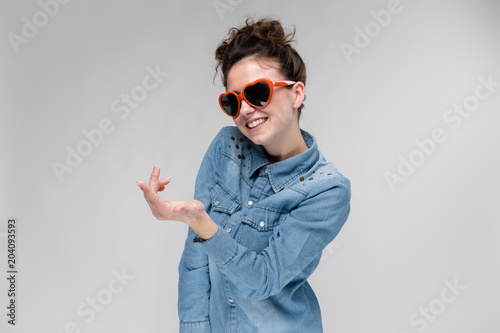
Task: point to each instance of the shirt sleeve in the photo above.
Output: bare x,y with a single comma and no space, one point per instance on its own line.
295,243
194,289
194,279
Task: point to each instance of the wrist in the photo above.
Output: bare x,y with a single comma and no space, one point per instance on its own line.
203,225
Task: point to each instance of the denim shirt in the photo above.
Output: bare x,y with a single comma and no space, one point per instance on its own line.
274,220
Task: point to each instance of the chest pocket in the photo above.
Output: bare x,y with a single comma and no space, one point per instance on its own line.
258,227
224,203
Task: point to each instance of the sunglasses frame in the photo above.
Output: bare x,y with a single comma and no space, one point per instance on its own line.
271,84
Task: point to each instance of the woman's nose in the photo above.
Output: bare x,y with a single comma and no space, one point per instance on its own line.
245,108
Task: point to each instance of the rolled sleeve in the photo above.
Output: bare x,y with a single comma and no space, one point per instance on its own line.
220,247
202,326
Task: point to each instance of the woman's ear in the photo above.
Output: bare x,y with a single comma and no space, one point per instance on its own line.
299,93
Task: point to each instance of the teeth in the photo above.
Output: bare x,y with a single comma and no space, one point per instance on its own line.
256,122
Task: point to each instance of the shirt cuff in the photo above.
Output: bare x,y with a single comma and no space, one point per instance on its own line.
221,247
195,326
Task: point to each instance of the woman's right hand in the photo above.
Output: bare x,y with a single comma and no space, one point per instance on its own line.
183,211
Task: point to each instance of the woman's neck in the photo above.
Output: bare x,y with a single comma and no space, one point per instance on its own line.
286,148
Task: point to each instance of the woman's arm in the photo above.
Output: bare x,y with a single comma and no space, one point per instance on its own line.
300,239
294,248
194,278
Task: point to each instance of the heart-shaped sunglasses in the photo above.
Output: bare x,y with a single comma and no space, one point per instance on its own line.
257,94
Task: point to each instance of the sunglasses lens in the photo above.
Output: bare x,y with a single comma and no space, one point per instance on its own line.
230,104
258,94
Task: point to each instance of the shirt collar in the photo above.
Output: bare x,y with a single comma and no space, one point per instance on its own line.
284,172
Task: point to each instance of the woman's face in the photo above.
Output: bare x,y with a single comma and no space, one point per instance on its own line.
276,127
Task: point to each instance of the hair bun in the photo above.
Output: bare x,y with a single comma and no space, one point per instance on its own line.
270,30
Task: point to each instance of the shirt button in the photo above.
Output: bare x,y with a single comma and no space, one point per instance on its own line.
216,203
228,230
262,223
250,203
230,300
266,171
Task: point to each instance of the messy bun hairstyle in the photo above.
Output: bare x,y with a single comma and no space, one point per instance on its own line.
264,38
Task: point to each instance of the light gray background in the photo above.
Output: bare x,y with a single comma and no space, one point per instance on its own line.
398,248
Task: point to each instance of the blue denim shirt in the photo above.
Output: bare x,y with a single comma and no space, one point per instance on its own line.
274,222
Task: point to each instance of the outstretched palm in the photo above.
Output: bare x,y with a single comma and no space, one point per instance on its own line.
183,211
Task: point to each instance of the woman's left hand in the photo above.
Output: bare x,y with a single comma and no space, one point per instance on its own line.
183,211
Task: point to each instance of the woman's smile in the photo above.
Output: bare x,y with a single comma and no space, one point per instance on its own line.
254,124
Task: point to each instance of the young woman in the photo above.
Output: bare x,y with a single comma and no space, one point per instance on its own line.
266,201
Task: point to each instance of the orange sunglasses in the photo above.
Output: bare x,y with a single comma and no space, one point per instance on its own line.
257,94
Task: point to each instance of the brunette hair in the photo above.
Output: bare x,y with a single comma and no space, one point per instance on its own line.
264,38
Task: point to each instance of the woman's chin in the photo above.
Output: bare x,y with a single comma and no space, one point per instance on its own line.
256,138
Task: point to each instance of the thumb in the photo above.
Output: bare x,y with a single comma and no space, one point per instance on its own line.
144,187
149,194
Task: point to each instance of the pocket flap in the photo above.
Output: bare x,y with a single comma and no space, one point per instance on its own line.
223,200
264,219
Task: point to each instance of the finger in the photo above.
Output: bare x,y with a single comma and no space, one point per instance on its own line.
164,181
153,180
149,194
143,186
